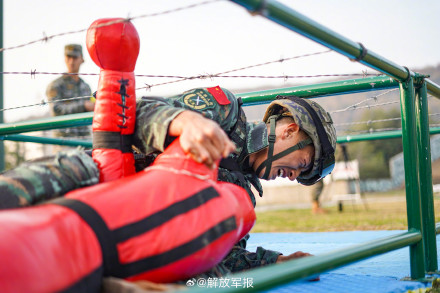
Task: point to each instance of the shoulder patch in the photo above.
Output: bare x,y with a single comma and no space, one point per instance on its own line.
198,100
219,95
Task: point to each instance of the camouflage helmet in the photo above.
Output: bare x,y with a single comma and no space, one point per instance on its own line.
318,125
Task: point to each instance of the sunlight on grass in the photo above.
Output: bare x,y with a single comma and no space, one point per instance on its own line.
378,216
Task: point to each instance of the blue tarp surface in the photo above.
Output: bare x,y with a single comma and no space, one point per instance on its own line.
382,273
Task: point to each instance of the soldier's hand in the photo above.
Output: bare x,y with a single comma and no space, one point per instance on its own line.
201,137
295,255
298,254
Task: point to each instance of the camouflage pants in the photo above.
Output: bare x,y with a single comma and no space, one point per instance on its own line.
35,181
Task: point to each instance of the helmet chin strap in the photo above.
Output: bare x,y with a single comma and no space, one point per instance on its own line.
270,157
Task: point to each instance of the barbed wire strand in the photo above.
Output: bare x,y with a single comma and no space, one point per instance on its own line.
368,122
46,38
45,102
211,76
35,72
356,106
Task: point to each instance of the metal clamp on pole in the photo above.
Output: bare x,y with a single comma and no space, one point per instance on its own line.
260,10
364,52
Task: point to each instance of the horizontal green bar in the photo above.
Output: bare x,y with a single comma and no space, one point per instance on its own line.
88,144
79,119
46,140
433,88
274,275
322,89
378,135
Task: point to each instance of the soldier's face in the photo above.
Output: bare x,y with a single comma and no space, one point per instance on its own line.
73,63
291,165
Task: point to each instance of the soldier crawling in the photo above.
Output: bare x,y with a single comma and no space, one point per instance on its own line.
296,139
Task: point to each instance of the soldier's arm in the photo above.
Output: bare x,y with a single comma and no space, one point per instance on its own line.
159,121
35,181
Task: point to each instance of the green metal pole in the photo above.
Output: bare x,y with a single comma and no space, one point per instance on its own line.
412,187
47,140
378,135
252,98
2,145
427,198
56,122
274,275
321,90
88,144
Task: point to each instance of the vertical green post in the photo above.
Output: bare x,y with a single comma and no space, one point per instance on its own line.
426,192
413,203
2,145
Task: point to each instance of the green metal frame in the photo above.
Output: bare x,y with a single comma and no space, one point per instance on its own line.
415,137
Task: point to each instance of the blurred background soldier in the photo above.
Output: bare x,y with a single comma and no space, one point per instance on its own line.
67,86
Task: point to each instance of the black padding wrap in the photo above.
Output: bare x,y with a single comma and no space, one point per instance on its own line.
112,140
99,227
364,53
108,239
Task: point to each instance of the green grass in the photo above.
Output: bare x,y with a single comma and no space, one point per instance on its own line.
378,216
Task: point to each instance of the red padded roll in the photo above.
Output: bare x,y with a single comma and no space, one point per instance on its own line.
170,222
113,44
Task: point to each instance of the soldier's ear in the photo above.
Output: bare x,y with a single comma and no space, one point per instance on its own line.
291,129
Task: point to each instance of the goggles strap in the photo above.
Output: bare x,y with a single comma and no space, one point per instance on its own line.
272,137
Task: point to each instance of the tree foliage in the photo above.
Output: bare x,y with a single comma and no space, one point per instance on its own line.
374,155
15,154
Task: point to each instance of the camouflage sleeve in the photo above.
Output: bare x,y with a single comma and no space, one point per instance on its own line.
35,181
240,259
154,115
54,93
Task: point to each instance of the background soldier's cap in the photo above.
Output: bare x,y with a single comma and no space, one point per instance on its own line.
73,50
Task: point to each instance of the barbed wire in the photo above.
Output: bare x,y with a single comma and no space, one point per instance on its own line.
211,76
34,72
45,102
46,38
368,122
356,106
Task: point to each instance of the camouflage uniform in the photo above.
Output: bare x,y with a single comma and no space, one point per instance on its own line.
50,177
36,181
66,87
153,118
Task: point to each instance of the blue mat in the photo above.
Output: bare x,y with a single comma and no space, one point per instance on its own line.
381,273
